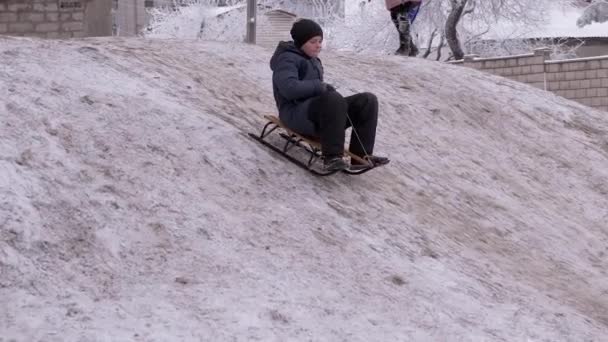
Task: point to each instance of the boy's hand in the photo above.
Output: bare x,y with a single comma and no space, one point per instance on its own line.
328,87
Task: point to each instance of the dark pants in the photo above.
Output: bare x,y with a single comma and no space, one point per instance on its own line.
402,22
329,114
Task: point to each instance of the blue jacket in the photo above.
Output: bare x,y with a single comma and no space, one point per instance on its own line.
296,80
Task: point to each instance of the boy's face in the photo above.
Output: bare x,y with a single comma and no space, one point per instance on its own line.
313,46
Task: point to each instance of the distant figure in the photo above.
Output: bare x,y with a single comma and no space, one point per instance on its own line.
201,30
311,107
403,13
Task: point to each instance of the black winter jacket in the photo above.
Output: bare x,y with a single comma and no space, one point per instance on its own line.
296,79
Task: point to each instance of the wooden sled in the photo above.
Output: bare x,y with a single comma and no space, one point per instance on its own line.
309,144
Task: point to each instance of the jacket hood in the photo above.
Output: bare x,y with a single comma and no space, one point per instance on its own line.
284,47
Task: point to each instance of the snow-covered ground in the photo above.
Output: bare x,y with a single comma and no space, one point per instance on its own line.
134,207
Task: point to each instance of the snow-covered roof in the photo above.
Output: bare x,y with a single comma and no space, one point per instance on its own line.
282,12
562,23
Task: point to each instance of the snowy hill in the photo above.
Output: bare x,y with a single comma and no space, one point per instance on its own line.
133,206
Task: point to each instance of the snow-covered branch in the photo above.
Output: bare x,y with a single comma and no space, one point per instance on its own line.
597,12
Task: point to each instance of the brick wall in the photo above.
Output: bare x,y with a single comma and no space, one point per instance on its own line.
584,80
53,18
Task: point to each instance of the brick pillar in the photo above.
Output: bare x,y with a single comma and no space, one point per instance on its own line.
545,54
98,18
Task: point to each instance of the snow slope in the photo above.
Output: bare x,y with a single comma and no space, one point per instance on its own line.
133,206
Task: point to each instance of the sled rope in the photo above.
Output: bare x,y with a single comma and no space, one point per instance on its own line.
366,156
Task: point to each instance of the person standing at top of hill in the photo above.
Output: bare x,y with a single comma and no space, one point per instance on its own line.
403,14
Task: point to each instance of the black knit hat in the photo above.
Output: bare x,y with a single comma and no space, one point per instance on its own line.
304,29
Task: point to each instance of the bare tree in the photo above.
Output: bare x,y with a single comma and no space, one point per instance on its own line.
429,47
451,24
441,45
483,14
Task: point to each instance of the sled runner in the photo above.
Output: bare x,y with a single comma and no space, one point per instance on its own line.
309,144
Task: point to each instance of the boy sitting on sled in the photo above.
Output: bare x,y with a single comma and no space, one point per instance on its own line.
311,107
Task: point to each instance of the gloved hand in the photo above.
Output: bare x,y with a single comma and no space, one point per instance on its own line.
328,87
